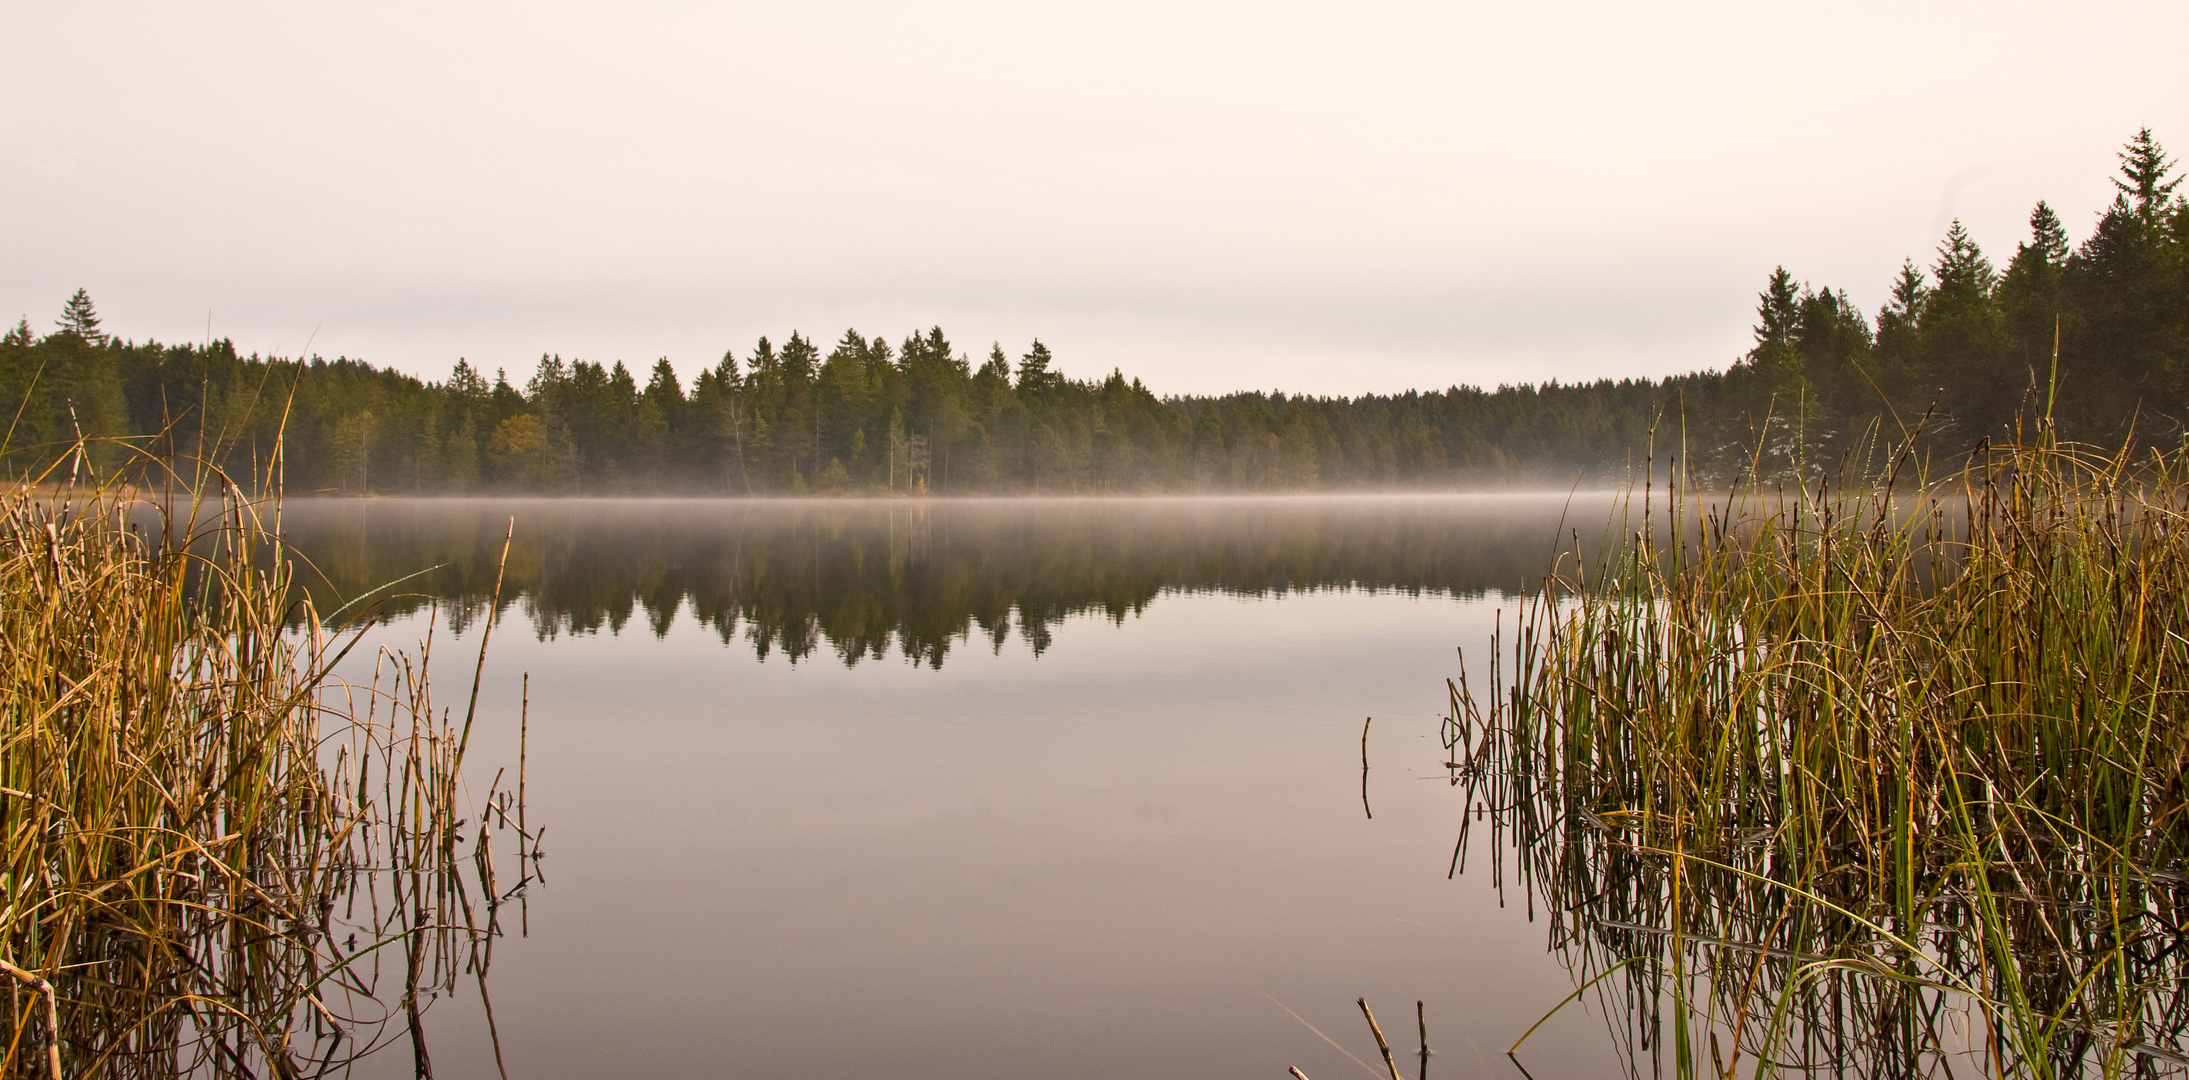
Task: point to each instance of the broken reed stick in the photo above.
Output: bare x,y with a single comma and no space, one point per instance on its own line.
1421,1016
524,733
53,1013
1364,768
1295,1070
1382,1043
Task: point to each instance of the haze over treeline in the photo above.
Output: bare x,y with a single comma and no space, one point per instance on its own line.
1960,350
809,577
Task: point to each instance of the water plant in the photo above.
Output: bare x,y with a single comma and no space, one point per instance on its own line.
220,859
1882,775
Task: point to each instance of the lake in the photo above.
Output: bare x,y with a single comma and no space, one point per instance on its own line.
980,788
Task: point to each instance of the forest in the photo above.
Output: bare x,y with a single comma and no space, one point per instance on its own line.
2090,336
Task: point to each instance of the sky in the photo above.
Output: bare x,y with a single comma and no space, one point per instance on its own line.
1319,198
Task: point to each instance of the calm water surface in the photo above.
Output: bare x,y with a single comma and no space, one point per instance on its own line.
973,789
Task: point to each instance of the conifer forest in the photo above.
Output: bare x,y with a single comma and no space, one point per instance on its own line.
2092,331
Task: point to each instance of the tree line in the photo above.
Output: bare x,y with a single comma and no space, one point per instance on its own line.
2092,336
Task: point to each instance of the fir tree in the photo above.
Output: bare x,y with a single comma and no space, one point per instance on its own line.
2126,337
1033,369
78,317
2048,238
1961,337
465,382
1778,313
2029,290
2144,166
1896,321
1833,342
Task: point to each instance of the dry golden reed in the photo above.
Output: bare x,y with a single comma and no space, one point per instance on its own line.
220,860
1878,778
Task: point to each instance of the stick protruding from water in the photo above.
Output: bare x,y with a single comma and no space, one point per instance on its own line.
1364,768
1382,1043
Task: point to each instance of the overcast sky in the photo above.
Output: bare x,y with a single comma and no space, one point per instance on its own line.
1318,197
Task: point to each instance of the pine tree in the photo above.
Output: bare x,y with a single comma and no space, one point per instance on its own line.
2127,332
719,426
505,399
1833,341
20,371
2029,291
1961,338
78,317
80,385
663,389
2048,238
1778,313
2144,166
465,382
800,358
1033,369
992,389
1896,321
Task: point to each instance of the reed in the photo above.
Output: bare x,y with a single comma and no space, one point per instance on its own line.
1882,777
220,859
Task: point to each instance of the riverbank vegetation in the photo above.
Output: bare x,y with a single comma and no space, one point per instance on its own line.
1961,341
220,859
1887,776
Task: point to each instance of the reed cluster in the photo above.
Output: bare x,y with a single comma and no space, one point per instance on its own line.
220,859
1884,777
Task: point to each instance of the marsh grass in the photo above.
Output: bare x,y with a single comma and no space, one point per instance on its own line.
1882,777
220,859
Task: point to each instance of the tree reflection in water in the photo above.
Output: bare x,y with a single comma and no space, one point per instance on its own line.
1828,788
863,578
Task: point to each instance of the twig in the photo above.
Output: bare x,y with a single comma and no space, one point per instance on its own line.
1381,1043
1364,768
1334,1044
53,1013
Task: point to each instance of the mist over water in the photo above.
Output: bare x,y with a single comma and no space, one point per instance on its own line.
871,578
971,789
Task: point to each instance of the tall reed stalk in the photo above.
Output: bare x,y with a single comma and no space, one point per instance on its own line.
1878,778
219,859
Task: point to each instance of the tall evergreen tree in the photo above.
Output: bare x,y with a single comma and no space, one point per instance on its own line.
1961,338
2126,289
1833,341
81,392
1034,375
80,318
2144,168
2029,293
1896,332
1778,315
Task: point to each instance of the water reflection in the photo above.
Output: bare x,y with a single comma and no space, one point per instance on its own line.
863,578
1159,850
1738,938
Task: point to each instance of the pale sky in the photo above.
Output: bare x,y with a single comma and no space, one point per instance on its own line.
1314,197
